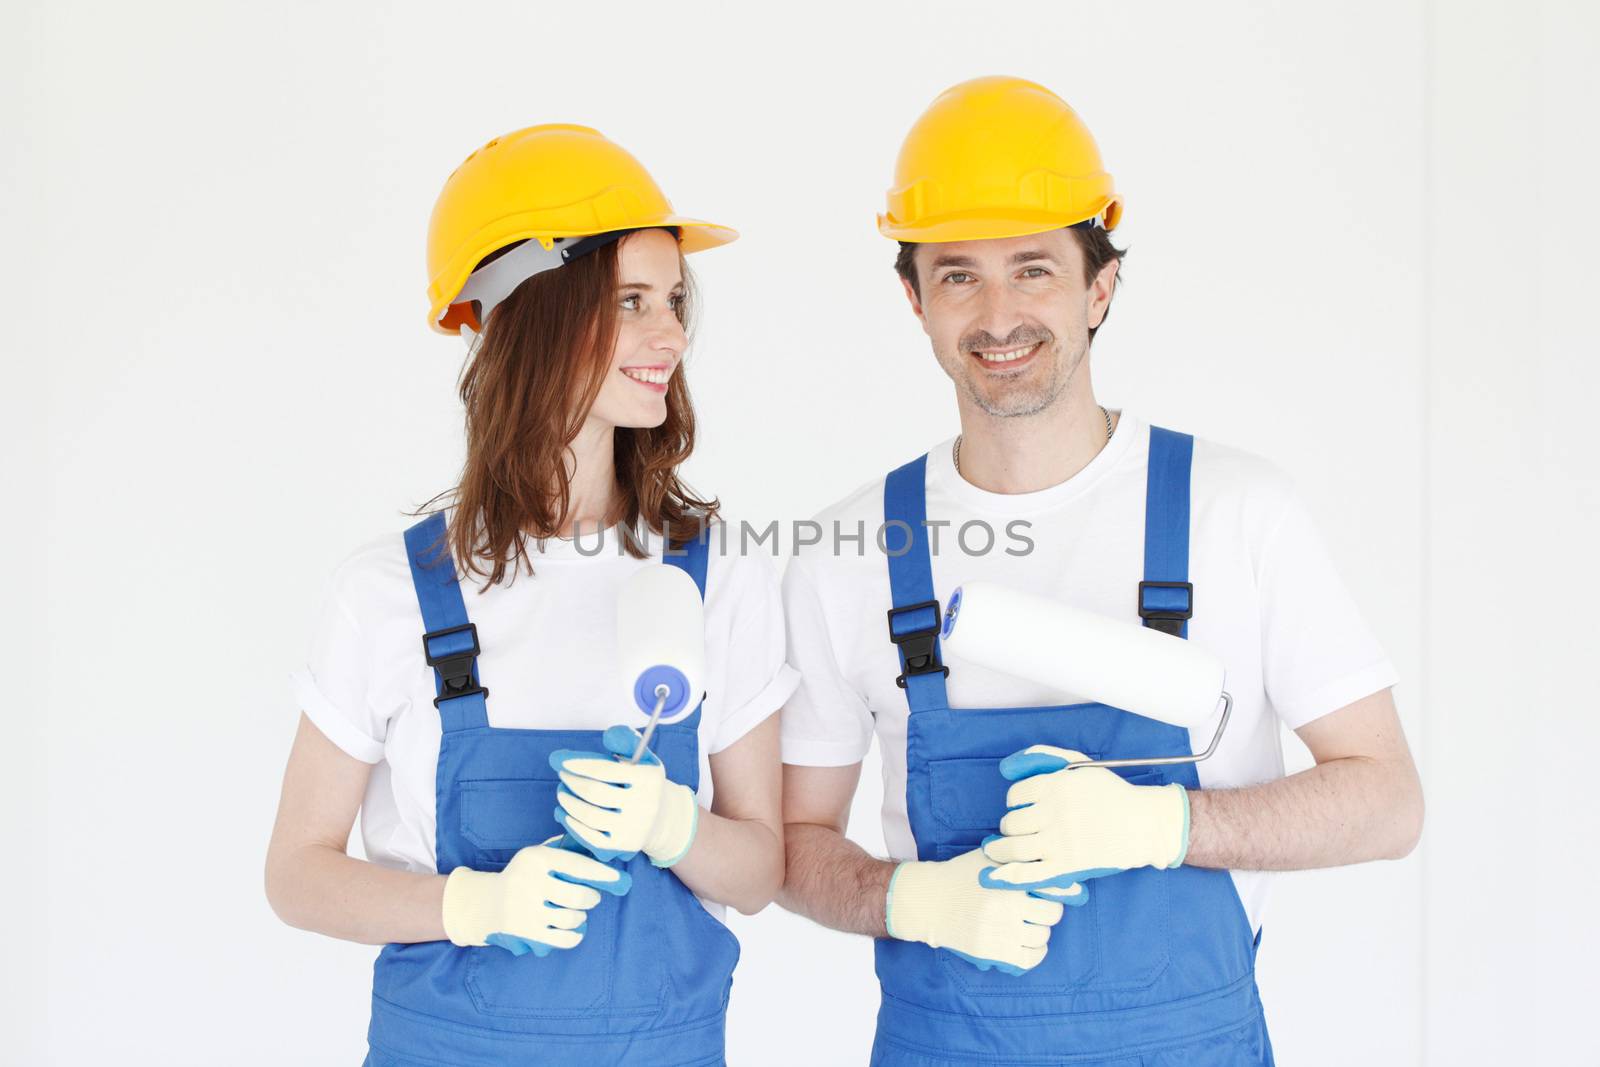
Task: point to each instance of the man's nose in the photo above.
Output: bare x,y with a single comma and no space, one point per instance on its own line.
999,312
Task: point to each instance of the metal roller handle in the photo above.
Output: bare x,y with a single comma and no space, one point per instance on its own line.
662,692
1167,761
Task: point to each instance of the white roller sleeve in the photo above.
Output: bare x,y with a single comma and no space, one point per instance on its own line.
1083,654
661,622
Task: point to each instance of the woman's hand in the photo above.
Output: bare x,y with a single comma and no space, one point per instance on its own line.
616,808
540,901
313,884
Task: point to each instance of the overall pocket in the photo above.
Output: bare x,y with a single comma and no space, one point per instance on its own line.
497,818
1118,940
663,928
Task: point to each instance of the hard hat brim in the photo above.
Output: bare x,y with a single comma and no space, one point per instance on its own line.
993,226
694,235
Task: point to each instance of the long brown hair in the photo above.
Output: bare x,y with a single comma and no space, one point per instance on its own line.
543,356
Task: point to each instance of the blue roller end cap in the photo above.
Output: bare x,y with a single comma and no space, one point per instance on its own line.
662,674
951,611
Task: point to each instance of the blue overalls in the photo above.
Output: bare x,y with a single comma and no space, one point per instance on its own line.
649,982
1158,967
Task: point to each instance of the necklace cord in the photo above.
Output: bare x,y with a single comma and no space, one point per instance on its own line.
956,454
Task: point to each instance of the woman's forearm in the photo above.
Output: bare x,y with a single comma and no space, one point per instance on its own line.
737,862
320,888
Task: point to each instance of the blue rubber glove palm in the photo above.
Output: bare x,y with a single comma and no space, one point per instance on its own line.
1064,825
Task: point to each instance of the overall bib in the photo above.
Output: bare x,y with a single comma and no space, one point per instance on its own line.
1158,967
648,983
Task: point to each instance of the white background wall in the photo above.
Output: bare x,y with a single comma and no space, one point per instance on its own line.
1363,243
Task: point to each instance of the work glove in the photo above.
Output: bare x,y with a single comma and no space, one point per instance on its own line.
1063,825
941,903
538,903
617,809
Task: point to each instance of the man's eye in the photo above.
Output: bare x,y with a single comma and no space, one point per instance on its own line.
1035,272
959,277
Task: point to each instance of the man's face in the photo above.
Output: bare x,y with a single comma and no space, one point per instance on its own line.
1009,318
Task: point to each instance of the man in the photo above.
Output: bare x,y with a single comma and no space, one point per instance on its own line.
1002,210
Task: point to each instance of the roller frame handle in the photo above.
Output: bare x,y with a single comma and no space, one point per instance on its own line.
1167,761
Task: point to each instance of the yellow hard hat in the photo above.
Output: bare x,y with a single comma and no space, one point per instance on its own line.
548,183
997,157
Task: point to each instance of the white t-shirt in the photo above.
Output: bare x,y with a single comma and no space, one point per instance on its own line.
1267,602
549,661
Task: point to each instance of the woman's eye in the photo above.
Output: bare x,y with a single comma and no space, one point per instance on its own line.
631,302
675,301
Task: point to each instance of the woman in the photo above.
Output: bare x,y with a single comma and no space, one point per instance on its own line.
554,253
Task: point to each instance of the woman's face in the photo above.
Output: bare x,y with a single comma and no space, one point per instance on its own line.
650,339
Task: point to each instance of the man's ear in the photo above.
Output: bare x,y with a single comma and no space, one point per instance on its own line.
1100,291
912,299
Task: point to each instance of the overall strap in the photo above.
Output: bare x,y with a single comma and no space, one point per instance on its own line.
914,619
691,557
1166,596
449,640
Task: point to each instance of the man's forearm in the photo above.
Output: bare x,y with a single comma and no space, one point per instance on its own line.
1342,811
832,880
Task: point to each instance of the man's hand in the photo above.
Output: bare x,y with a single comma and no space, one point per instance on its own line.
942,904
1067,824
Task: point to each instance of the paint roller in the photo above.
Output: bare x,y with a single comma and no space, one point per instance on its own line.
661,643
661,648
1091,656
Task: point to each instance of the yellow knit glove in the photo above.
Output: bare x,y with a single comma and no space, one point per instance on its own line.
1068,824
538,903
616,808
940,903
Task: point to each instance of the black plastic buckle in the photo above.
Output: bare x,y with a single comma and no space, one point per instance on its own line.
455,668
918,646
1165,619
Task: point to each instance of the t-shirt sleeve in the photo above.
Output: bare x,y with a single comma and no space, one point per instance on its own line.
332,686
758,677
1318,653
828,722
